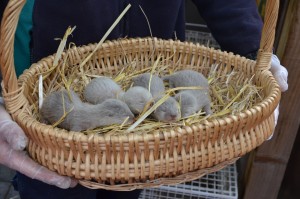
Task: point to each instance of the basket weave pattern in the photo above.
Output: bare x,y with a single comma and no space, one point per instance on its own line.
137,160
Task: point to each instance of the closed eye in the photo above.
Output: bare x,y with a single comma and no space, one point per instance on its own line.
110,115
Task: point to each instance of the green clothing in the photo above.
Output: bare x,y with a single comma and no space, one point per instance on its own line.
22,38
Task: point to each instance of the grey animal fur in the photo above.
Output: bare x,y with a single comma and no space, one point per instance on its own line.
136,98
101,89
191,100
157,87
83,116
169,110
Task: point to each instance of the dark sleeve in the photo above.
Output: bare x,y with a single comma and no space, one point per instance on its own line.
235,24
3,4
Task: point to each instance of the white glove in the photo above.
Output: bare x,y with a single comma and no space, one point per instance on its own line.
12,143
281,75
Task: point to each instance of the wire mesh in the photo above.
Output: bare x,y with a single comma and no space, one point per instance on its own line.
199,33
221,184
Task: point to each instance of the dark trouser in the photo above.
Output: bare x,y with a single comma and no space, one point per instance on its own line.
34,189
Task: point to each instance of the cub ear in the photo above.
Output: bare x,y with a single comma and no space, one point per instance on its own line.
135,78
177,97
110,114
151,102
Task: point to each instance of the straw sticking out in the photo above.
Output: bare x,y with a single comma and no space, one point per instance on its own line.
147,113
40,91
62,45
146,20
105,35
59,52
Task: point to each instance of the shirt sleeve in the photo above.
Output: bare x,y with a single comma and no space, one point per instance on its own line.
22,54
235,24
3,4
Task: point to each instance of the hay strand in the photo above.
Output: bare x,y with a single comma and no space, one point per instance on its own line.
105,36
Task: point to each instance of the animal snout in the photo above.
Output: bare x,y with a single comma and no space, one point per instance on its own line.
173,117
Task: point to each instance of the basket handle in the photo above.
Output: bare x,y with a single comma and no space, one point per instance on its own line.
11,17
8,28
268,35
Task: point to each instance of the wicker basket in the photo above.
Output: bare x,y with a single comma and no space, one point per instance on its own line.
136,160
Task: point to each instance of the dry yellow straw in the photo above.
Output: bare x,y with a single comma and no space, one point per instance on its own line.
40,91
62,45
105,36
60,50
147,113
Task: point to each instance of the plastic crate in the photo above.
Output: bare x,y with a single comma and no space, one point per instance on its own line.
221,184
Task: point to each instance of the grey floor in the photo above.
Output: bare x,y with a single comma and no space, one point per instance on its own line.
6,189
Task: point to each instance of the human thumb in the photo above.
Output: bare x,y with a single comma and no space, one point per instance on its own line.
12,133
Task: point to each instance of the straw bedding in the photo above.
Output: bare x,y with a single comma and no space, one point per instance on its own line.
231,91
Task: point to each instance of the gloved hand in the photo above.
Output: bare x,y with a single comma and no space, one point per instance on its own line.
12,143
281,75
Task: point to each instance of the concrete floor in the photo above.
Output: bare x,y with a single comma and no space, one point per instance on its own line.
6,189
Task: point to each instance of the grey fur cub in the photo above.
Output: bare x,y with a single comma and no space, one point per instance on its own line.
157,87
191,101
169,110
82,116
101,89
136,98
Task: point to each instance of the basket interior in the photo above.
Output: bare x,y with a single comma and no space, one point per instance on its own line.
139,55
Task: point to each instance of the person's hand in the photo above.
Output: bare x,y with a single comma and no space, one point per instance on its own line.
280,73
12,143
